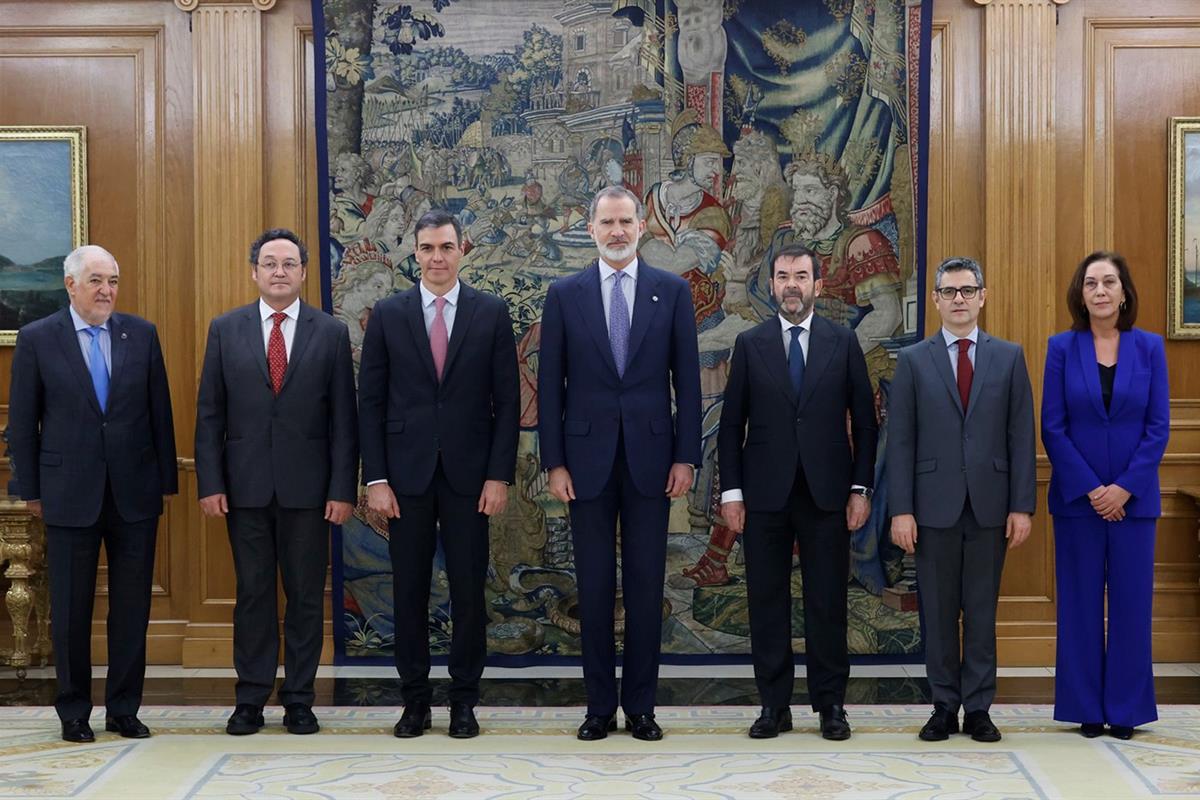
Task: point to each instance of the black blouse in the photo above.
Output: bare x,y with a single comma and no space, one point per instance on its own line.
1107,374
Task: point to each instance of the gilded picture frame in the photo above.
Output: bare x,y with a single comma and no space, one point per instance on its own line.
1183,228
43,216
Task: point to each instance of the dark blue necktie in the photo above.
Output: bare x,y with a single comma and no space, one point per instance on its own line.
796,359
618,323
97,367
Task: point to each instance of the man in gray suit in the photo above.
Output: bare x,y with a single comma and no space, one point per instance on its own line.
277,457
960,459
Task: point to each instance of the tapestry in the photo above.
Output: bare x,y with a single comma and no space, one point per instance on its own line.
744,126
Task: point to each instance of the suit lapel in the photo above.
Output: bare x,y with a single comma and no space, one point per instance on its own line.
118,350
821,342
252,334
415,314
1124,376
983,362
1085,351
769,342
462,324
68,339
645,303
300,340
591,306
941,364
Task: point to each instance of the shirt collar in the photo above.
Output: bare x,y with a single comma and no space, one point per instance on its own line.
607,271
427,297
806,323
81,324
265,311
951,338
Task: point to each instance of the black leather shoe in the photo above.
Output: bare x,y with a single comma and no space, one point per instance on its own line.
78,731
771,722
596,727
128,726
415,720
941,724
463,724
833,723
643,727
245,719
1117,731
298,718
979,725
1090,730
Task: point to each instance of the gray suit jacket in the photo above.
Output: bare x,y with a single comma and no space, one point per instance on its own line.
937,458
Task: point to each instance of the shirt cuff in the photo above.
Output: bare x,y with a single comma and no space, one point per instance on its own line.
853,486
731,496
381,480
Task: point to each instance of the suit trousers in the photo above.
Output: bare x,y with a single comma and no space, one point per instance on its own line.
824,546
1095,681
72,555
294,542
958,572
643,522
454,519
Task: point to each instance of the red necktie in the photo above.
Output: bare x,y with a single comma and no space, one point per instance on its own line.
965,372
439,338
277,353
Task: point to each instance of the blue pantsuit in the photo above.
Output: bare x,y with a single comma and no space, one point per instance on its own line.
1102,679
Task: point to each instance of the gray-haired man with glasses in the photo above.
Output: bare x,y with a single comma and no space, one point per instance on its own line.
961,489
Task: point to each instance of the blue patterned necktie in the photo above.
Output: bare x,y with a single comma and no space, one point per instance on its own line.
97,367
618,323
796,359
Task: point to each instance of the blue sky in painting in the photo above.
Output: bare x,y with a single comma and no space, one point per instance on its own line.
1191,206
35,200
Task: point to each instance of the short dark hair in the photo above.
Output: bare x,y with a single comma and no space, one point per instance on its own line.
796,250
437,218
273,234
958,264
1127,314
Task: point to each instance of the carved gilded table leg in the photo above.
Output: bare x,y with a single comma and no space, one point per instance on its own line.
22,546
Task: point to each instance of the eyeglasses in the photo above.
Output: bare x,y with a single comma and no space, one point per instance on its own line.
948,292
288,265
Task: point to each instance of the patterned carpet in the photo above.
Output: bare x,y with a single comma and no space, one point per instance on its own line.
531,753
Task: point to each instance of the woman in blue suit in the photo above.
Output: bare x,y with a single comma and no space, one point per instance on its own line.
1105,420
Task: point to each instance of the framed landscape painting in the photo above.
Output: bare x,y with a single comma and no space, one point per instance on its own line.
43,216
1183,228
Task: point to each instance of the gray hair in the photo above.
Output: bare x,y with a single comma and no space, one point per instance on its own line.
956,264
619,192
73,263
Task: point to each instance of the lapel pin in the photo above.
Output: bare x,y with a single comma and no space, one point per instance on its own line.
124,335
653,298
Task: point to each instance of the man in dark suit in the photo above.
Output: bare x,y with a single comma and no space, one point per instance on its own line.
277,457
961,485
93,449
791,475
616,338
439,407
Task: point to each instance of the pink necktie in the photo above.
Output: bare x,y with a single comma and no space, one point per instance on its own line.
439,339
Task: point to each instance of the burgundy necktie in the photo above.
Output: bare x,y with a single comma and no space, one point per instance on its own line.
277,353
965,372
439,338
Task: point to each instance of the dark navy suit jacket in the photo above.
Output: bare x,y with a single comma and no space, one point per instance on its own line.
64,448
1089,446
583,403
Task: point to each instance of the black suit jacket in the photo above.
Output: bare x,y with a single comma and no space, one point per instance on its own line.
407,417
766,431
64,449
300,447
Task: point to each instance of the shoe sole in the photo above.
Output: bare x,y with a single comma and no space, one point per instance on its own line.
836,737
79,741
986,738
462,734
930,737
304,730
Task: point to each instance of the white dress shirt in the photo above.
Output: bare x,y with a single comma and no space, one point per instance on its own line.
85,340
287,327
429,308
952,348
608,280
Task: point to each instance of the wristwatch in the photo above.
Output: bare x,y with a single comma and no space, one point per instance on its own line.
863,491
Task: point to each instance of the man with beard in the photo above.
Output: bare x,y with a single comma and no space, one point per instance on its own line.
862,286
791,475
616,339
